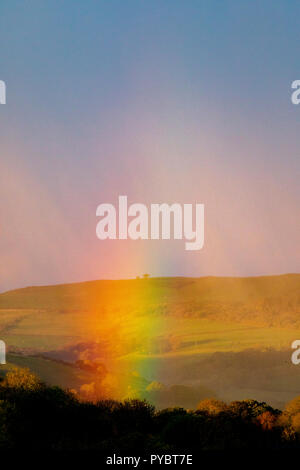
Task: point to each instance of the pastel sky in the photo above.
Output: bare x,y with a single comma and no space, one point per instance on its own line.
163,101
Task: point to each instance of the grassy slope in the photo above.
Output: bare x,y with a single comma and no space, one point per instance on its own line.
223,298
166,324
204,314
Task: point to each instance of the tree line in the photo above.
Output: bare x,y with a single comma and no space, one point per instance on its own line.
35,416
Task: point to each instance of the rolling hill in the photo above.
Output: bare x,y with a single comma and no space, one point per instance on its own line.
162,329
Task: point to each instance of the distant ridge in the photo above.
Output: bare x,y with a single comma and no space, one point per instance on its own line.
263,300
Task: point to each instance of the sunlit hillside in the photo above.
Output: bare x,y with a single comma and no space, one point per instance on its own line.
165,330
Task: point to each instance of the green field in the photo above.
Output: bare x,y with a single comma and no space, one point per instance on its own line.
164,329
